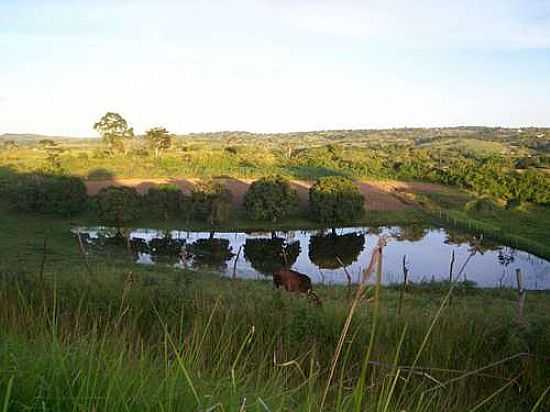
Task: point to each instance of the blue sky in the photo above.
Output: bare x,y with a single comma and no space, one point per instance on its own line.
273,65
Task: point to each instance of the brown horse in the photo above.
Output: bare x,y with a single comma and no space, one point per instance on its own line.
295,282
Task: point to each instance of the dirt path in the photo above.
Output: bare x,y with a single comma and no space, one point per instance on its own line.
379,195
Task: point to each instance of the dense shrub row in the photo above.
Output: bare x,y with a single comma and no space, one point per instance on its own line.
333,200
496,176
42,193
209,202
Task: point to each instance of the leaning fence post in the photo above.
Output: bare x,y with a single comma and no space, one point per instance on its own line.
44,256
451,267
521,295
235,263
404,285
83,253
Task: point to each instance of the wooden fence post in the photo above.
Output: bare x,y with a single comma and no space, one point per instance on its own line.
235,263
83,253
404,285
521,295
451,267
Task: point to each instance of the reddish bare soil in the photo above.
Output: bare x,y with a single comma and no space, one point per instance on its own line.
379,195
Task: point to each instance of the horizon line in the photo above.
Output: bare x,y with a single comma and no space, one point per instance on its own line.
293,132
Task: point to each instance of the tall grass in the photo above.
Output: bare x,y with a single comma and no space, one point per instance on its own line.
189,342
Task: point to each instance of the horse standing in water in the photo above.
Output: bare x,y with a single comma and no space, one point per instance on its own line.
295,282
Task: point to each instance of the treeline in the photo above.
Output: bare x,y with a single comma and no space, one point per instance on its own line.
333,200
512,180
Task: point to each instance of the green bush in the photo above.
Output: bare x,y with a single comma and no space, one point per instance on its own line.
270,199
336,200
40,193
165,200
211,202
118,205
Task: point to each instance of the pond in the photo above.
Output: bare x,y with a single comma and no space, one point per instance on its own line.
322,255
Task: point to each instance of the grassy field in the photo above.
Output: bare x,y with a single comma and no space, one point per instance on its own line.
523,226
132,338
117,336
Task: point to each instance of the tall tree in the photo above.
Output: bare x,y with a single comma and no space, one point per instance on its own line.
336,200
270,198
159,139
114,132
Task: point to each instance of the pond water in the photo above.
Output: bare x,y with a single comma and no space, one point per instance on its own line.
322,254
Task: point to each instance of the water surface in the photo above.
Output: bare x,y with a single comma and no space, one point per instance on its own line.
322,255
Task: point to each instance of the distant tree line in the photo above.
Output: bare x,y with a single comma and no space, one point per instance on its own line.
333,200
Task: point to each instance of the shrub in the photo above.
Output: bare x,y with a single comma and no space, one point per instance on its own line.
166,200
40,193
118,205
336,200
211,202
270,199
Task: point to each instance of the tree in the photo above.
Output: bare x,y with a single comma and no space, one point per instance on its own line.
336,200
211,202
53,160
118,205
270,198
167,200
47,142
114,132
158,139
41,193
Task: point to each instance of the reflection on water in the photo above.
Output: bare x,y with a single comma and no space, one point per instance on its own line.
321,255
333,251
212,253
268,255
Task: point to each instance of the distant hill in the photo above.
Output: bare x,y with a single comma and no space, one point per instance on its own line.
30,138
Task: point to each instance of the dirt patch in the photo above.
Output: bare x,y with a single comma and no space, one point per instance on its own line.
141,185
379,195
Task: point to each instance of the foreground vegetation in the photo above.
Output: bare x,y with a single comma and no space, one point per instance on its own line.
115,336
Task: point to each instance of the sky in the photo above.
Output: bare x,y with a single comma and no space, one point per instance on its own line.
273,65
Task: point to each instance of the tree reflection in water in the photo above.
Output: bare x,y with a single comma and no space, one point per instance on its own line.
412,233
166,249
211,253
332,251
506,256
476,243
267,255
